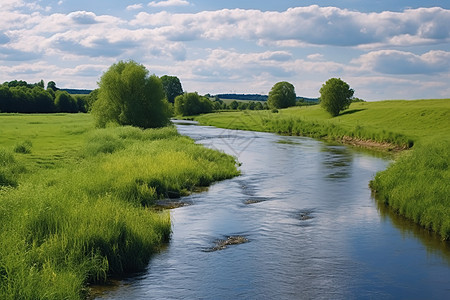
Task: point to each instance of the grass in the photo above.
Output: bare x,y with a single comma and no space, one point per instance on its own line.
416,185
77,209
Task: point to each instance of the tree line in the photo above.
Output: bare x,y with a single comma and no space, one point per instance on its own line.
22,97
128,95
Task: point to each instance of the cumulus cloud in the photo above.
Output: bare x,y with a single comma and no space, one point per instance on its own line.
189,44
134,6
167,3
308,25
83,17
401,62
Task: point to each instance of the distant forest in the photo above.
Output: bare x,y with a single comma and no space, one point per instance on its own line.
19,96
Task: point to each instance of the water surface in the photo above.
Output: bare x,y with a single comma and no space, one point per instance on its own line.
314,230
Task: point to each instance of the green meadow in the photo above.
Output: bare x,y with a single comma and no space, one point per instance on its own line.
76,202
416,185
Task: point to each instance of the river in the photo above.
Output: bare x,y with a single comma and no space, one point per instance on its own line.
314,230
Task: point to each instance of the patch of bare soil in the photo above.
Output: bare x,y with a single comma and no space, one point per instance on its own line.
372,144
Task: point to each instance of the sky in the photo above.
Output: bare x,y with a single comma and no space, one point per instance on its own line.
383,49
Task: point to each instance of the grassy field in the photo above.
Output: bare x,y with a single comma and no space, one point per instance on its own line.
75,202
416,185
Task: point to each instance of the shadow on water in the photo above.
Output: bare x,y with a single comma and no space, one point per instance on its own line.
429,239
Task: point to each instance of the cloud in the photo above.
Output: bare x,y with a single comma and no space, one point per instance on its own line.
312,25
168,3
315,56
83,17
134,6
11,54
93,47
405,63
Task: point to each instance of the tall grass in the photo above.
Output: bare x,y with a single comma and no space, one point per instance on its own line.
10,168
90,217
417,187
333,131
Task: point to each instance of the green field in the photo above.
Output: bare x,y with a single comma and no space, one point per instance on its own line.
416,185
75,201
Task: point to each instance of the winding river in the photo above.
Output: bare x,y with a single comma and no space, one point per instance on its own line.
312,230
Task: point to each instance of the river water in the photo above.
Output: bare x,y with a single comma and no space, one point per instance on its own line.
314,230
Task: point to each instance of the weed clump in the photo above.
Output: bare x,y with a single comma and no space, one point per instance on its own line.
9,169
23,147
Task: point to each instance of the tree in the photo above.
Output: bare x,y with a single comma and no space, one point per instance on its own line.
190,104
52,86
335,95
282,95
234,105
64,102
129,96
172,87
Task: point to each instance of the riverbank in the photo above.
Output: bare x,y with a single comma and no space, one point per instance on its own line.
75,201
415,185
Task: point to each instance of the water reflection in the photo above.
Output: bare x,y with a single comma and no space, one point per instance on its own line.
432,241
337,161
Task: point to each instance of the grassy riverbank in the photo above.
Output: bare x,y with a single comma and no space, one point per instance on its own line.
74,200
416,185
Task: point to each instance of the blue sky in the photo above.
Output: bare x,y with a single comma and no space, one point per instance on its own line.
383,49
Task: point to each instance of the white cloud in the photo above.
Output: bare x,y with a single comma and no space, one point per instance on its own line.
312,25
315,56
212,47
168,3
134,6
401,62
83,17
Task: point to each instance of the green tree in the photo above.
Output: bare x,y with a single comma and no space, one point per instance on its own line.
91,98
335,96
234,105
282,95
258,106
43,101
129,96
172,87
243,105
52,85
40,84
64,102
190,104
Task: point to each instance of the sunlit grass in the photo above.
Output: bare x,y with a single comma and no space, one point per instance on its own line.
78,207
